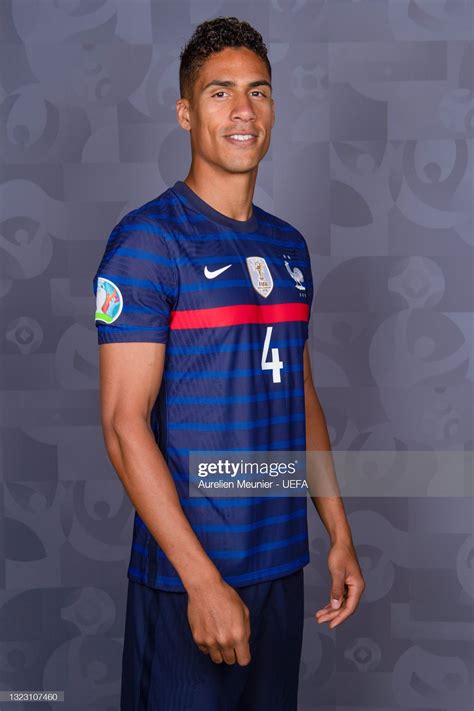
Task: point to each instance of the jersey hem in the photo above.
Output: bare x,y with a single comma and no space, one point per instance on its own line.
261,579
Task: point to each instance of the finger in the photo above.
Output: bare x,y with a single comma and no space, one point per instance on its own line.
328,615
352,600
328,608
242,653
354,593
228,655
204,650
325,613
338,587
343,615
216,655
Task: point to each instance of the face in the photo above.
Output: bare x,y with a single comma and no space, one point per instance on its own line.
231,95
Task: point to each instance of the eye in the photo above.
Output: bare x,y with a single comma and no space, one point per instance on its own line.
255,91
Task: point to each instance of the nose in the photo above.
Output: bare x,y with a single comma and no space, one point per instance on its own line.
242,108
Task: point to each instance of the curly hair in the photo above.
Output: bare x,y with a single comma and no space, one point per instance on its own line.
212,36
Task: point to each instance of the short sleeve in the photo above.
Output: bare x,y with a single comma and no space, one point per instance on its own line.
308,282
135,286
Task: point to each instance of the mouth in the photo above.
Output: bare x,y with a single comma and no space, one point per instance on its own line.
241,139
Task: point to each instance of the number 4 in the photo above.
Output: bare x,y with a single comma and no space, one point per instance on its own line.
275,365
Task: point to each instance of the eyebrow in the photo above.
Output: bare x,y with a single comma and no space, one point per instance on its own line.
221,82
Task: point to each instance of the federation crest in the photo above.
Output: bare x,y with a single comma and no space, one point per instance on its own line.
260,275
109,301
295,274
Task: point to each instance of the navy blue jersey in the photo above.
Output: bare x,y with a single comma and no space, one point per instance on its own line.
231,299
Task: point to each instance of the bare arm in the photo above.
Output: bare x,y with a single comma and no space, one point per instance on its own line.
130,375
347,580
130,379
330,509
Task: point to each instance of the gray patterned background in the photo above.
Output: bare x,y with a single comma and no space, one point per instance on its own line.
372,159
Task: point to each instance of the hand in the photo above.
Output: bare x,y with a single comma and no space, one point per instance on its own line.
220,623
347,585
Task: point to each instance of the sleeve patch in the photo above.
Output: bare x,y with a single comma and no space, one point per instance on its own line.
109,301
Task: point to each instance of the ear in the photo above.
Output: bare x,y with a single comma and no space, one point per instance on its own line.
183,113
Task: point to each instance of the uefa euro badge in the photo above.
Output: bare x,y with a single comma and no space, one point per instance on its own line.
297,275
260,275
109,301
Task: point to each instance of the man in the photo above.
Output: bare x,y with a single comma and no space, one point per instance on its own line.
203,303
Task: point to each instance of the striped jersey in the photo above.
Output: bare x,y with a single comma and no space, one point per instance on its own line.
231,299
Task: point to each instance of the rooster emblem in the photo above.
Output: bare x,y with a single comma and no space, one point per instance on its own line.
297,275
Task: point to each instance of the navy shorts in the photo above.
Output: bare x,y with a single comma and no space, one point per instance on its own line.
164,670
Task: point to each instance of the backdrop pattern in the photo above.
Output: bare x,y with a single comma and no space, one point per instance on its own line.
372,159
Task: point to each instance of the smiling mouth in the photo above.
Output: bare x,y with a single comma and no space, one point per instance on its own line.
241,139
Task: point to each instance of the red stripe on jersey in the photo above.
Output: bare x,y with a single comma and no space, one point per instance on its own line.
240,313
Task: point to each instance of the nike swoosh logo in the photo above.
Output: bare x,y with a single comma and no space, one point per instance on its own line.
216,272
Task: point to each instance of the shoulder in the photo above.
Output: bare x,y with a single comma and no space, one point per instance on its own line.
157,212
149,226
282,227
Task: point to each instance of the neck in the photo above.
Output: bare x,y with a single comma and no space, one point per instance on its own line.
231,193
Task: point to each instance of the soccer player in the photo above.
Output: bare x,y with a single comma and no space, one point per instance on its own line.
203,303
